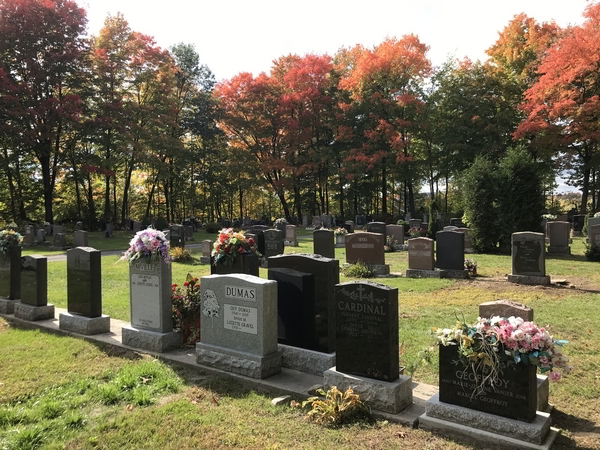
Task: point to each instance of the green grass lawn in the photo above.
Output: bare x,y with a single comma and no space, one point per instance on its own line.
184,415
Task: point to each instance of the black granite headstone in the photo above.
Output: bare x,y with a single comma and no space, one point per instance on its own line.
578,222
247,264
296,323
457,222
377,227
10,273
514,396
366,324
34,280
259,230
323,243
273,243
450,250
84,282
327,274
527,257
176,236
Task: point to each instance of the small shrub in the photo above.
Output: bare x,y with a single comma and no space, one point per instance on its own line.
181,255
161,223
212,227
592,253
358,270
417,232
337,407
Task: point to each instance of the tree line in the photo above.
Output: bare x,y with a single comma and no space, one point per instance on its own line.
100,128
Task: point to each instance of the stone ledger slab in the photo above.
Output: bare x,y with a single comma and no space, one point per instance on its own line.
7,306
248,364
33,313
152,341
534,432
306,361
457,274
530,280
84,325
418,273
391,397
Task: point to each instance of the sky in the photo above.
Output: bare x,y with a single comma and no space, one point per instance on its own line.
235,36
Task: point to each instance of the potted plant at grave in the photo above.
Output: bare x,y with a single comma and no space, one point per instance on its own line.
9,238
417,232
234,253
471,267
186,309
495,353
340,235
149,245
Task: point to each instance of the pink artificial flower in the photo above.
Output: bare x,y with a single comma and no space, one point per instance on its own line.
554,376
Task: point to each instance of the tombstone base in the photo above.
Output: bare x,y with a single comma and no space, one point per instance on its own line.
418,273
290,243
152,341
387,396
560,249
339,245
306,361
543,387
33,313
531,280
84,325
457,274
7,306
264,263
253,366
379,269
205,260
489,428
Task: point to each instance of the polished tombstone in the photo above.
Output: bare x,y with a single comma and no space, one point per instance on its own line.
151,307
360,220
84,293
456,222
40,236
80,238
305,221
367,346
34,290
349,226
528,259
326,220
415,223
365,247
109,229
273,243
176,236
594,235
377,227
188,231
59,241
558,234
239,325
468,243
206,251
323,243
248,264
397,234
29,237
326,272
58,229
10,279
259,231
450,254
421,261
578,224
290,236
316,221
340,240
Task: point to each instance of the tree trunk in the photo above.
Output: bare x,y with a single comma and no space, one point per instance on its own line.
107,198
167,200
126,185
115,217
383,192
11,188
411,199
149,203
342,198
91,205
585,189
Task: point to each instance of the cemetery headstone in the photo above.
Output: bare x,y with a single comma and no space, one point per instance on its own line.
80,238
450,228
109,229
323,243
450,253
349,226
176,236
34,290
259,230
79,225
591,222
326,220
239,325
58,229
290,235
407,217
365,247
48,229
206,251
457,222
305,221
367,330
316,221
468,243
594,235
415,223
137,226
528,259
84,293
10,279
59,240
29,237
40,236
360,220
326,272
189,232
578,223
396,232
150,307
377,227
420,258
273,243
558,234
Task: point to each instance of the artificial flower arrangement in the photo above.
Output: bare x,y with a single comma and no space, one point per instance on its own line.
484,346
597,214
417,232
471,267
340,231
150,244
549,217
186,302
231,244
280,221
9,238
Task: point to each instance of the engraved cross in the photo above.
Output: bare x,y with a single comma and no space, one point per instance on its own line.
360,290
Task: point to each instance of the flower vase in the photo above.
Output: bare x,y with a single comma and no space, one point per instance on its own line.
514,394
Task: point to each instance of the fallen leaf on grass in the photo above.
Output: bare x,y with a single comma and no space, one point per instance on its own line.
215,401
401,434
129,407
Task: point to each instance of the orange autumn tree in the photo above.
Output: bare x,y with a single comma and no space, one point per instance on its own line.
562,107
386,86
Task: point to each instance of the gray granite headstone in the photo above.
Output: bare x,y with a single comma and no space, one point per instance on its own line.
150,295
109,228
558,234
58,229
323,243
239,325
207,247
528,255
397,233
290,234
450,250
415,223
326,272
80,238
377,227
273,243
40,236
594,235
305,220
29,237
505,308
316,221
34,280
84,282
326,220
420,254
59,240
349,226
